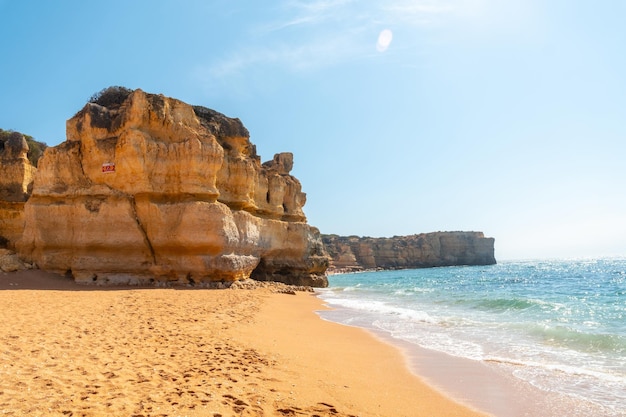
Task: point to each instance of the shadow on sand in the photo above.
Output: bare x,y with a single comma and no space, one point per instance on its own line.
36,279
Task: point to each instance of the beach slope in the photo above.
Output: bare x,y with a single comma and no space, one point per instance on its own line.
72,350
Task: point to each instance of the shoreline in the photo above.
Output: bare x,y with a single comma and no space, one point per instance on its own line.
354,371
71,349
489,387
365,372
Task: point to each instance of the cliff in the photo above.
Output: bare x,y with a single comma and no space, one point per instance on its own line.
148,188
354,253
16,182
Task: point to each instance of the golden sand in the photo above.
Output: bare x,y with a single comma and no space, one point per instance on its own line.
69,350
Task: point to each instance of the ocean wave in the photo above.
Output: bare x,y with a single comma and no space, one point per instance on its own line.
351,288
506,304
601,388
379,307
519,304
578,340
557,324
426,338
413,291
555,367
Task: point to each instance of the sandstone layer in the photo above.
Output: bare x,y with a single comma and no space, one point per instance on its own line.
16,182
153,189
352,253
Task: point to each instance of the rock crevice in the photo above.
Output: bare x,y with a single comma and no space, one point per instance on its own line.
142,229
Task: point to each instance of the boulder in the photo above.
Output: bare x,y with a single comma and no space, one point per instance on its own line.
151,189
10,262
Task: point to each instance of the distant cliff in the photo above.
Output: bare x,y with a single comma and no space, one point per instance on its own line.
353,253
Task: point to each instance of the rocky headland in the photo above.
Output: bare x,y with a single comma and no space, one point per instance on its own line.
353,253
149,189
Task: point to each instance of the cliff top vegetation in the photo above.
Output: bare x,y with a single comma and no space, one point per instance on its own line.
111,97
35,147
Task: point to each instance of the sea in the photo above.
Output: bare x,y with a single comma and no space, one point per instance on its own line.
559,325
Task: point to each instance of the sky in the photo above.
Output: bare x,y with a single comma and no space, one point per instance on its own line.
404,116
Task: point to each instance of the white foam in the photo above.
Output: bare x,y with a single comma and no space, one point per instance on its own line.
379,307
556,344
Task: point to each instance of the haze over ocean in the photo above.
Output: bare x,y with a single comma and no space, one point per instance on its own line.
403,116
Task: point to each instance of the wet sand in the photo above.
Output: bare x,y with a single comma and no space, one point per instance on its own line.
71,350
489,386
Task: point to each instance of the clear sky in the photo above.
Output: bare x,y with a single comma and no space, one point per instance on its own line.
404,116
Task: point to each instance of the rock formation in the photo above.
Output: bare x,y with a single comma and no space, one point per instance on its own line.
354,253
16,181
148,188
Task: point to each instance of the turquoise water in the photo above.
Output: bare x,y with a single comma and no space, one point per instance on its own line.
561,325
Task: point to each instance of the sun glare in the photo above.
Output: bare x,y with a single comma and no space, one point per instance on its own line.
384,40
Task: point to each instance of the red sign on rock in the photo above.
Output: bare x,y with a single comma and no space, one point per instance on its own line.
108,168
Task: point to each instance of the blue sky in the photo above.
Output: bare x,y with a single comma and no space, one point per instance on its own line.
507,117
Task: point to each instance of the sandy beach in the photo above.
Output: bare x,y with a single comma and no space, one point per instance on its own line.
72,350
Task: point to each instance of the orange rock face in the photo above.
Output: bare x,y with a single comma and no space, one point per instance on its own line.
352,253
16,181
153,189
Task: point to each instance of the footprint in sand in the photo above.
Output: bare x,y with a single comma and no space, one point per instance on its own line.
319,410
237,404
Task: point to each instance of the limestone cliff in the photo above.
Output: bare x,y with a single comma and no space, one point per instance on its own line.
16,181
354,253
148,188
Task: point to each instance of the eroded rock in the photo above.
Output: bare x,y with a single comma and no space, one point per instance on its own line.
16,182
153,189
352,253
10,262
